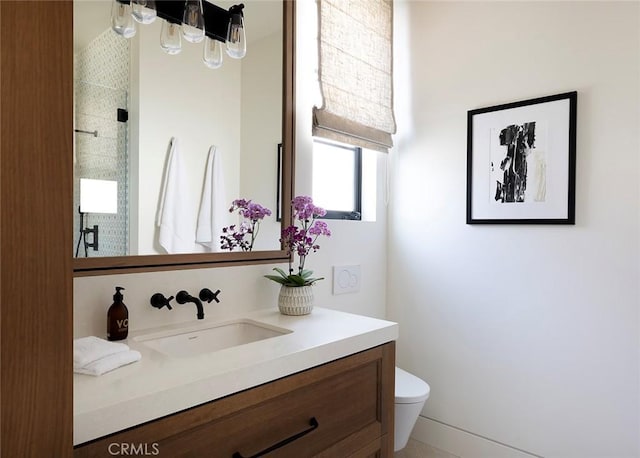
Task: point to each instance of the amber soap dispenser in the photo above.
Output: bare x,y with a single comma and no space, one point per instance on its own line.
117,318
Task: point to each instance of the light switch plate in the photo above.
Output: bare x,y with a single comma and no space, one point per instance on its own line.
346,279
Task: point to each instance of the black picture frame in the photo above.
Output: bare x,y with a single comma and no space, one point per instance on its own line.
521,162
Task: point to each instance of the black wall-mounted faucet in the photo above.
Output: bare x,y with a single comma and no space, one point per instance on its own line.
183,297
159,301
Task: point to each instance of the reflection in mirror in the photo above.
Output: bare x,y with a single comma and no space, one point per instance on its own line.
132,99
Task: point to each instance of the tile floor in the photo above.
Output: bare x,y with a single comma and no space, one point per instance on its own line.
416,449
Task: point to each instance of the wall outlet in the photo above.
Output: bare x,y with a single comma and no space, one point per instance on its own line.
346,279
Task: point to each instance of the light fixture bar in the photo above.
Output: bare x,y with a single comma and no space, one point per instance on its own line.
216,19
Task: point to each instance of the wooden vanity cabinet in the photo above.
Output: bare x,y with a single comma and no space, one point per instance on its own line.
340,409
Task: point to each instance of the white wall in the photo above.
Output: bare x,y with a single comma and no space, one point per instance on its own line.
261,131
178,96
352,242
528,335
242,289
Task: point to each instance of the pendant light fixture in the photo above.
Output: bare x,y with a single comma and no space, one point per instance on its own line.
121,19
212,55
171,38
195,20
144,11
236,40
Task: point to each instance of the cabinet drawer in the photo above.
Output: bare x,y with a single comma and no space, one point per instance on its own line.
331,410
341,406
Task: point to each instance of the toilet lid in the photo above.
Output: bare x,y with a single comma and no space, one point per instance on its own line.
409,388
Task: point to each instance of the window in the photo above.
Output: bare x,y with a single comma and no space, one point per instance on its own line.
337,179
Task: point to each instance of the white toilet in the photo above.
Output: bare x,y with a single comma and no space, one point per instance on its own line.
411,393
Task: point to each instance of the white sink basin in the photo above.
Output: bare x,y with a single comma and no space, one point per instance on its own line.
189,341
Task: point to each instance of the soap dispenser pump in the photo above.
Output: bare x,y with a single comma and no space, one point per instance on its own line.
117,318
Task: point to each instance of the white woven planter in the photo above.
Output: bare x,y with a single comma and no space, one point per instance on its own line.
295,300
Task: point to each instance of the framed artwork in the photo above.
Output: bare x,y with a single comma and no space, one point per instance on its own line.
279,184
521,162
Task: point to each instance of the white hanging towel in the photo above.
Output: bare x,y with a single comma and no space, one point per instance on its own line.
213,204
173,218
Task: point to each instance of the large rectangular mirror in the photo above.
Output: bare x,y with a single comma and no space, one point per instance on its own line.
164,136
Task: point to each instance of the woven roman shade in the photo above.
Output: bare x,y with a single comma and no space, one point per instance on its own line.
355,72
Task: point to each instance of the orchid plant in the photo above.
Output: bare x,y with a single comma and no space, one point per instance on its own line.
243,235
301,239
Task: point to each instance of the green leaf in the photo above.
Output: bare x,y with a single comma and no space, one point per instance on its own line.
293,280
277,279
298,280
281,272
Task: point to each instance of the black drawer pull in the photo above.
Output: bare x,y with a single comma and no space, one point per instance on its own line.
313,423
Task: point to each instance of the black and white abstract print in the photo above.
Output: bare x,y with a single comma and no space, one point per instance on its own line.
518,163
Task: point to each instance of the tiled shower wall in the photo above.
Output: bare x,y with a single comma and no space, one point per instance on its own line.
101,83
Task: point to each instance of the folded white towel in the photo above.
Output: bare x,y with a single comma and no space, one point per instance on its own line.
89,349
213,204
109,363
95,356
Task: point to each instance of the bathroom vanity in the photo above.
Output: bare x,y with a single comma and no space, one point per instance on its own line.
326,388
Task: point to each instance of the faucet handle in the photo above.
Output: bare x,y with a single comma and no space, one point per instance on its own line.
158,301
207,295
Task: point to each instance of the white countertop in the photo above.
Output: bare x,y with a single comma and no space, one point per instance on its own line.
159,385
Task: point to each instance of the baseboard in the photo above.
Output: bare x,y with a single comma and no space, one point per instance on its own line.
462,443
